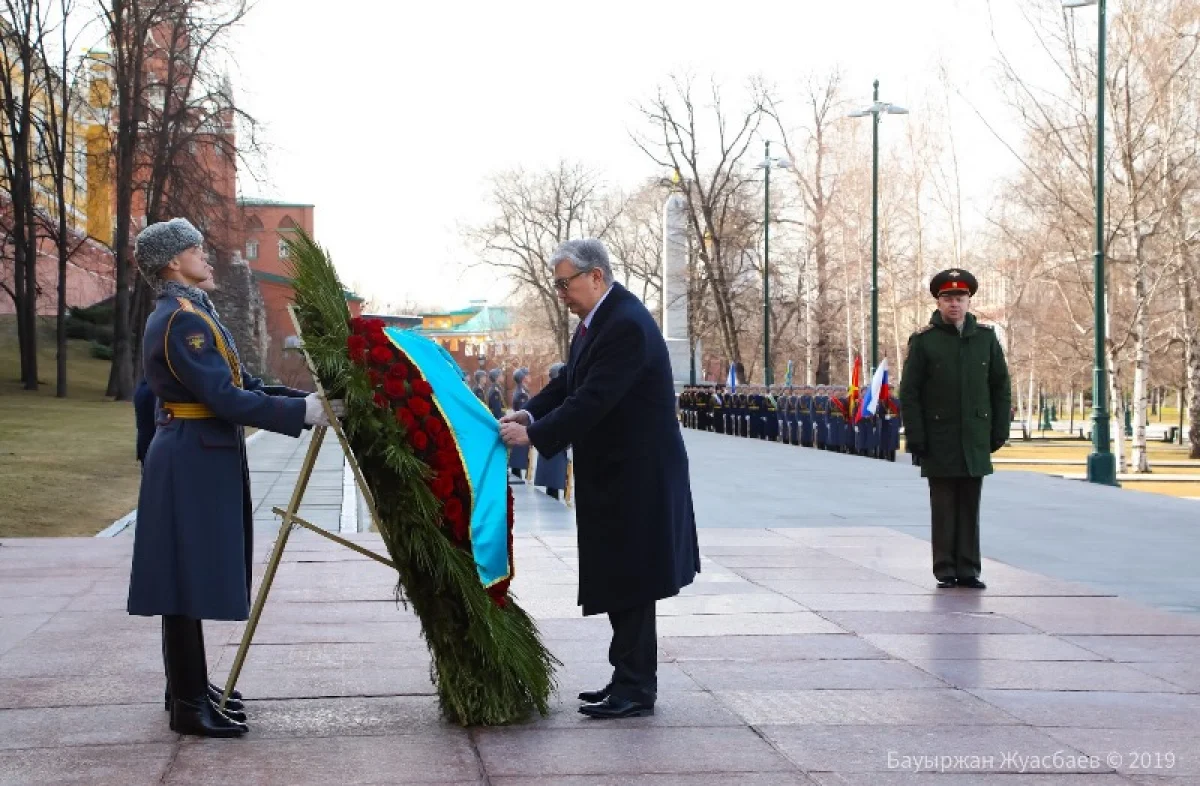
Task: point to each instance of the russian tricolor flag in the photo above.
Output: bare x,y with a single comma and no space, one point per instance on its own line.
877,392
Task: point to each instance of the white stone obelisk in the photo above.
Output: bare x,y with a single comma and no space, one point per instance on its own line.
675,288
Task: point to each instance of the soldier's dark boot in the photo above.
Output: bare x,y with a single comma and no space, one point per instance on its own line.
235,703
192,711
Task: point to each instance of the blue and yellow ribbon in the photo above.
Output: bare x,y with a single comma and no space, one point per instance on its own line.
477,438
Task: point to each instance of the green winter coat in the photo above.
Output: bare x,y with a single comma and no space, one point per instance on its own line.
955,398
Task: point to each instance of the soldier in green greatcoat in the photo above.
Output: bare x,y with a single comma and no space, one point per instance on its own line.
955,395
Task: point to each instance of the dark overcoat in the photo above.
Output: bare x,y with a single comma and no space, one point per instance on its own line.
193,538
956,396
615,404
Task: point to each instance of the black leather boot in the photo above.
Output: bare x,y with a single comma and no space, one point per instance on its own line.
214,691
201,718
192,711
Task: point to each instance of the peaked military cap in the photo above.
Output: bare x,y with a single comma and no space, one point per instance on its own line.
953,280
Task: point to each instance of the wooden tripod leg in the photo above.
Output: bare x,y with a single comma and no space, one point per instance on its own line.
285,530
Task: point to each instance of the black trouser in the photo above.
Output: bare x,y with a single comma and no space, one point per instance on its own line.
954,504
184,657
633,654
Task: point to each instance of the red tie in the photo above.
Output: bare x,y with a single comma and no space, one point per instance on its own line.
582,330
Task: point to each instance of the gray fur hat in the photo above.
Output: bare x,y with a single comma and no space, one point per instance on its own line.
556,369
158,244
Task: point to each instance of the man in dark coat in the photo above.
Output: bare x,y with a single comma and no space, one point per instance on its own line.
956,393
192,545
615,404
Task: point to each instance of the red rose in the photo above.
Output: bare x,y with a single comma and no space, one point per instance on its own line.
381,401
445,440
359,356
420,407
434,427
358,325
404,417
381,354
394,388
442,486
398,371
375,377
418,439
356,342
422,388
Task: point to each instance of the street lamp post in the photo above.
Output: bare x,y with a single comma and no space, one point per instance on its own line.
1101,466
875,110
767,165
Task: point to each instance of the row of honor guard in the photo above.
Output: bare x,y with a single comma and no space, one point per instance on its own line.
809,416
550,472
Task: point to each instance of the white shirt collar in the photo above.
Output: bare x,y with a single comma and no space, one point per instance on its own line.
587,321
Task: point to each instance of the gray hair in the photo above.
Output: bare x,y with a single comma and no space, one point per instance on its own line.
584,255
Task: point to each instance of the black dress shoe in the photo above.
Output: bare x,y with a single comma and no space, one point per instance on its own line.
593,696
972,583
614,707
949,583
201,718
214,693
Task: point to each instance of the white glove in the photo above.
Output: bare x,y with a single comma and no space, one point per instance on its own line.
314,412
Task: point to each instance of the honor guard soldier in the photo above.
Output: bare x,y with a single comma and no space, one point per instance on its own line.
518,458
836,422
551,472
495,396
480,386
683,408
804,413
771,414
744,413
889,428
820,416
793,417
957,397
701,411
193,548
716,406
754,413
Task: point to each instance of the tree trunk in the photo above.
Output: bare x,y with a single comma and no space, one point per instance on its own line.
1139,460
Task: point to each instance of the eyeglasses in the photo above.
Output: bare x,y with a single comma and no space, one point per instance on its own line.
561,284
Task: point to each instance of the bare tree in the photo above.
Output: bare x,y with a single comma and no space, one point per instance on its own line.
706,146
809,150
533,213
22,32
62,140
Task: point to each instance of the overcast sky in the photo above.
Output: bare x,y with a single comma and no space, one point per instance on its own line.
389,116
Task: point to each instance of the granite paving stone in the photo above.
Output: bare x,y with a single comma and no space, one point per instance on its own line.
1045,675
435,758
863,707
810,674
758,649
1097,709
614,751
91,765
979,647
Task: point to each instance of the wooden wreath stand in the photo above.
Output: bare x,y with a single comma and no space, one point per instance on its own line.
291,520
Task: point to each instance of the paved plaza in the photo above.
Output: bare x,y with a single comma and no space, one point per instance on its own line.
813,648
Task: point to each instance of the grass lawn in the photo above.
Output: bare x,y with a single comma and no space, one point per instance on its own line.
68,464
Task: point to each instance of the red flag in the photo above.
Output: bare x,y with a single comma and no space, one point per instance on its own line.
855,385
